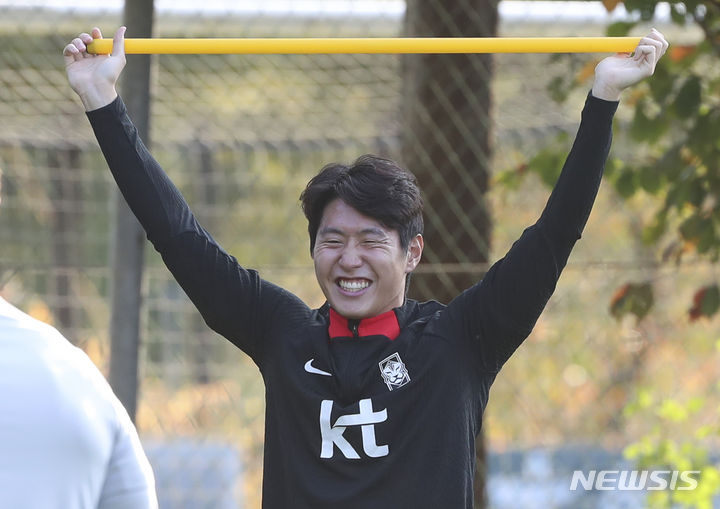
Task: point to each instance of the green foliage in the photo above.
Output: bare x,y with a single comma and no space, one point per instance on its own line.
632,298
672,154
620,29
666,449
674,137
675,120
706,302
687,101
646,8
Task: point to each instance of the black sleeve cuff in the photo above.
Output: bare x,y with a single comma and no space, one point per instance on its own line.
603,107
115,109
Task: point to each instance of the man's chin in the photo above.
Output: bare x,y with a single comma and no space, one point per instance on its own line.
350,312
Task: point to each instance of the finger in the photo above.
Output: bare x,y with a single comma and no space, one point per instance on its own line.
95,34
646,55
70,50
656,39
119,42
645,41
70,54
644,50
655,34
86,39
648,41
77,42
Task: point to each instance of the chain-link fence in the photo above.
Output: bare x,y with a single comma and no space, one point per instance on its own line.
240,136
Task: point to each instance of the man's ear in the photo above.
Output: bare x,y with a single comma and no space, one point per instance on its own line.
414,253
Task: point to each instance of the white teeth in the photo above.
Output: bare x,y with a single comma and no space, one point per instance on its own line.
353,286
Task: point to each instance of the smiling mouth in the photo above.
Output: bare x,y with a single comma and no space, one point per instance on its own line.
353,285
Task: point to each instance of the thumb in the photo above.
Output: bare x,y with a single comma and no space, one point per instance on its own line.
119,42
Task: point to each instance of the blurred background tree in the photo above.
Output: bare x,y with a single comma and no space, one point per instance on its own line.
671,150
666,151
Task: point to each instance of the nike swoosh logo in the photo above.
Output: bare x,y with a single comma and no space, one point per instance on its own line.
312,369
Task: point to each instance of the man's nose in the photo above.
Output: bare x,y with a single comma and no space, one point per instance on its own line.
350,257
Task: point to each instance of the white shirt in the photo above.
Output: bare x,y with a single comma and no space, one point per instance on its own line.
66,441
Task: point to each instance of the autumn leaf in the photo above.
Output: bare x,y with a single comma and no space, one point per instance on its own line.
610,4
632,298
680,53
618,299
706,302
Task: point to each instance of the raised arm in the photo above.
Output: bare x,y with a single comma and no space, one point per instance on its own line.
231,299
153,198
501,310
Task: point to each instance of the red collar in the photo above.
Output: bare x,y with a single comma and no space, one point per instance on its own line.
385,324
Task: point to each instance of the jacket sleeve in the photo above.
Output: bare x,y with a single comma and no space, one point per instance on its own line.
234,301
499,312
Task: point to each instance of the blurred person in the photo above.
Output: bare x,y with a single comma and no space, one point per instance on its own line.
372,400
66,441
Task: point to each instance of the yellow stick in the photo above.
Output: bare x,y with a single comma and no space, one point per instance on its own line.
374,45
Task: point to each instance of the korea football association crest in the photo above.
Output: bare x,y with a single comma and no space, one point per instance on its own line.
394,372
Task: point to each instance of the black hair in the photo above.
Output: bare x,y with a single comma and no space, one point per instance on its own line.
374,186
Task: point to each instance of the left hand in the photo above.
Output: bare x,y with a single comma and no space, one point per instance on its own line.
614,74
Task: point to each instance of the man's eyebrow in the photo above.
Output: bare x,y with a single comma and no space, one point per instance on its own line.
330,230
373,231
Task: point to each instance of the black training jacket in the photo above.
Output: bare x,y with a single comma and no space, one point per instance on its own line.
384,413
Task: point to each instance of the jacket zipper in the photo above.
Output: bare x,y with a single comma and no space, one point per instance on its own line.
353,325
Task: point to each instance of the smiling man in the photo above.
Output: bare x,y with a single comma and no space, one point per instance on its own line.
372,400
365,225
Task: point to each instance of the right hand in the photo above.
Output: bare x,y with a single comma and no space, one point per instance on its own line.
93,77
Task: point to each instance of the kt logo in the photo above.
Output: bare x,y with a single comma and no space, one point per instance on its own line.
366,418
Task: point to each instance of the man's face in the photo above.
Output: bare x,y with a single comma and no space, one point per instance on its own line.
359,263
